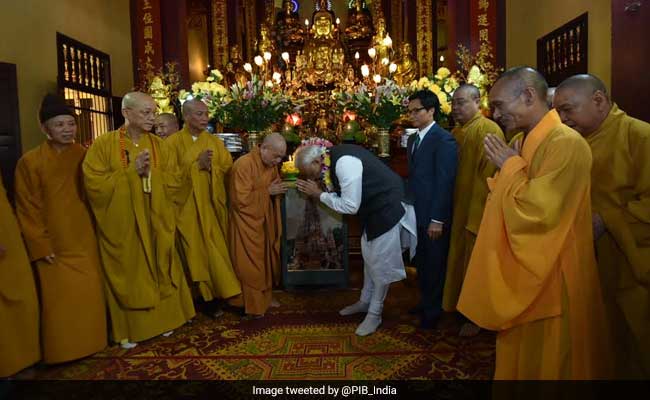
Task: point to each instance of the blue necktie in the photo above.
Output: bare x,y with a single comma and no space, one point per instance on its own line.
416,143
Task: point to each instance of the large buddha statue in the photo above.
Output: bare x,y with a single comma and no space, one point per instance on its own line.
407,67
235,67
290,30
320,51
359,22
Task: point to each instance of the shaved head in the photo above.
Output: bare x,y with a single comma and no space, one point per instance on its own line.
191,105
520,78
139,111
134,99
469,89
273,149
586,83
582,102
518,99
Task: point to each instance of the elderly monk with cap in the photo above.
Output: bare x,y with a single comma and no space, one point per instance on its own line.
202,223
55,219
532,276
132,184
19,340
620,195
255,223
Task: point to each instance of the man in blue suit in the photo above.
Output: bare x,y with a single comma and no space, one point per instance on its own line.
432,159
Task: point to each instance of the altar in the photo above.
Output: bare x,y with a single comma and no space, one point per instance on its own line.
314,243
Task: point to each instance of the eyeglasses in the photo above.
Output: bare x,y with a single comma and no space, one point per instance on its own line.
416,110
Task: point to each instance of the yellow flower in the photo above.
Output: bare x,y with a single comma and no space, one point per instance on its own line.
443,72
196,87
435,88
423,82
448,88
445,108
442,97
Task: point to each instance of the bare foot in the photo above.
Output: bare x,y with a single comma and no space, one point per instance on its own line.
468,329
275,303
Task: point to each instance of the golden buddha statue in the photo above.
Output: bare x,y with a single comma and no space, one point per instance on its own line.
235,68
378,40
290,30
265,42
161,95
407,67
322,124
320,51
359,22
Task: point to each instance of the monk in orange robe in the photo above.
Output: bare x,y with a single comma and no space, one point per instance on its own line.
60,239
19,341
532,275
255,222
133,186
470,192
620,195
202,223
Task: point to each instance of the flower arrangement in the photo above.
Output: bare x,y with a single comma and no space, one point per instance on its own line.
211,92
478,70
257,105
380,106
326,162
443,84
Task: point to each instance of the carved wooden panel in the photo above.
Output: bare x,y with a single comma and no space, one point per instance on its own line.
563,52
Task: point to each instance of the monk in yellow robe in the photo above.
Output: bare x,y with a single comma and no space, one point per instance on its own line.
19,339
470,191
60,239
132,183
202,223
620,195
532,275
255,222
166,124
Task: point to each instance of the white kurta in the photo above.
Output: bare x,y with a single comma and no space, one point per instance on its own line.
382,256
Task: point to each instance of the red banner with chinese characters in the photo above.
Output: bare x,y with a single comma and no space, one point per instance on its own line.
148,37
483,25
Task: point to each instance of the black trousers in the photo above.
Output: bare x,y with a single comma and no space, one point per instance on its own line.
431,264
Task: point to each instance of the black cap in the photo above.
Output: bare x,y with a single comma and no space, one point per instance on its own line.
52,106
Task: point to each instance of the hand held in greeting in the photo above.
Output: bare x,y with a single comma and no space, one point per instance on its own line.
309,188
142,163
277,187
50,259
434,231
497,151
205,160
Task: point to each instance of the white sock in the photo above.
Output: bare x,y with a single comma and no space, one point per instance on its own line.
358,307
168,334
125,344
369,324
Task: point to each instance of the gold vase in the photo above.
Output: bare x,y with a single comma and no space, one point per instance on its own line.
383,142
254,138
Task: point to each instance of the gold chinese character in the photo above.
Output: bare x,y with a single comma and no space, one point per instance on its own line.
148,47
148,32
482,20
147,18
147,5
483,35
483,4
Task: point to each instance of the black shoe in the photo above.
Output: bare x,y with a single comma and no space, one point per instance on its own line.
429,322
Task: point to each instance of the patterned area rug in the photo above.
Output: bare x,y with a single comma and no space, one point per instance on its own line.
304,339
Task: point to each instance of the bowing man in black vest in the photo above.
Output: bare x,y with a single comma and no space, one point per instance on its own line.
432,158
363,185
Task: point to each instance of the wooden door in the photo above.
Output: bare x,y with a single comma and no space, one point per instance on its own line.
631,56
9,125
